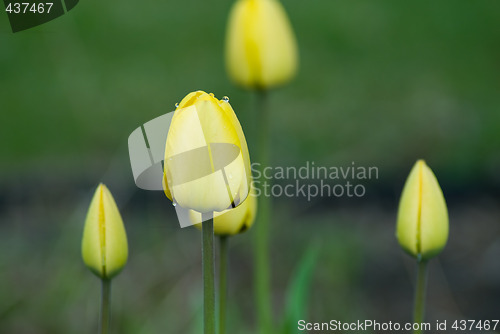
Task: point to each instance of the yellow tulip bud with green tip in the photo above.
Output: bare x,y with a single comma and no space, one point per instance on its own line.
207,164
261,49
104,244
233,221
207,170
422,226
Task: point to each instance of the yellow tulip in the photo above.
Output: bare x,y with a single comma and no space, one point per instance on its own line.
232,221
207,165
261,50
422,227
104,244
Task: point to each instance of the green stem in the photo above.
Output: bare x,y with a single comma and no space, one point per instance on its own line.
263,120
105,306
420,292
262,230
208,275
223,283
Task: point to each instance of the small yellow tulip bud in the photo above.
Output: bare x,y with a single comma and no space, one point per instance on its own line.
261,50
104,244
233,221
422,227
207,165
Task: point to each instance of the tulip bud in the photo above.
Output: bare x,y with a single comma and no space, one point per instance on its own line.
422,227
261,50
232,221
104,244
207,165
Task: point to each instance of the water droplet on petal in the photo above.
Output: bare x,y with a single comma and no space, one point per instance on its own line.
174,204
225,99
177,105
211,94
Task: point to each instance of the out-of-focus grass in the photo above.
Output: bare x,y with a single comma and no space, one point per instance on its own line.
361,273
381,83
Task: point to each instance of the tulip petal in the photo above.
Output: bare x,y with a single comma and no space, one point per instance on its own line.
207,166
261,50
92,247
422,228
104,244
232,221
433,217
408,213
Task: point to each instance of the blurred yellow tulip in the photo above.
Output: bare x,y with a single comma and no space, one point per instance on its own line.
261,50
232,221
207,165
422,226
104,244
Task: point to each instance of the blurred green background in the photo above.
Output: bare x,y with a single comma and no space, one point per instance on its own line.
381,84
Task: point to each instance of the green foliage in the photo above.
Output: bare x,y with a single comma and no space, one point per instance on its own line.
298,290
379,82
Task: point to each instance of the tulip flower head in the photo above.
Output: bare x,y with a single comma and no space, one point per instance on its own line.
261,50
207,165
422,226
104,244
232,221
